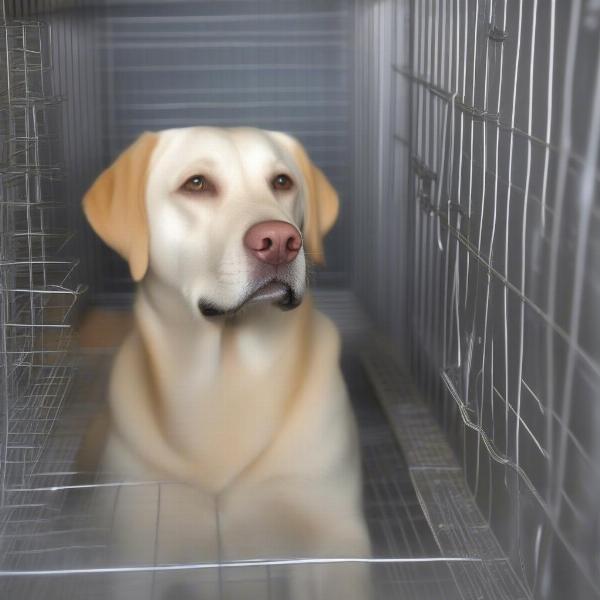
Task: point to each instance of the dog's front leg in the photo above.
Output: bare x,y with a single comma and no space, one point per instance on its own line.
296,520
171,528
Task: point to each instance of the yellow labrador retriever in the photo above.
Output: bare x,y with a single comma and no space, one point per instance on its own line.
222,389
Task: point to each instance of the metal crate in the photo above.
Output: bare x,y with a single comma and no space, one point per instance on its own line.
463,136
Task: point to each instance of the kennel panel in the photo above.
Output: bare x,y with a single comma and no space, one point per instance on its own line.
500,205
38,286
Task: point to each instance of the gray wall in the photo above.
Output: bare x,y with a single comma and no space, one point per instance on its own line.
77,78
381,228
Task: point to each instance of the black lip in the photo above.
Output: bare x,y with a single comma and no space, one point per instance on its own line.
210,311
289,301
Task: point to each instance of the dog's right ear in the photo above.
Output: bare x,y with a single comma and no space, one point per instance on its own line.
115,205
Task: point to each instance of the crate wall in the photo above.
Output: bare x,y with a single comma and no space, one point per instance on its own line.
491,118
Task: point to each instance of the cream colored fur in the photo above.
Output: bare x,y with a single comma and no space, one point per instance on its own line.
245,418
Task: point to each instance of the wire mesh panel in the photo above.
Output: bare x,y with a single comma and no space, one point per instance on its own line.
504,208
36,278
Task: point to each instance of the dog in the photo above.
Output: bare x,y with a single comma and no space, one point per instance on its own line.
228,390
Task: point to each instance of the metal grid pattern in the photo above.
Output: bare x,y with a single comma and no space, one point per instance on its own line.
52,528
495,120
37,287
457,524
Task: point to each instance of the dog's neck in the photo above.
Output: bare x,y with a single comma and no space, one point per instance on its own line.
211,373
158,304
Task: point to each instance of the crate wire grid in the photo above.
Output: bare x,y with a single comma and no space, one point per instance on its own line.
502,146
51,548
465,108
37,284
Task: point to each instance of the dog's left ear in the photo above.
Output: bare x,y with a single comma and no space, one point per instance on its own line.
115,205
322,203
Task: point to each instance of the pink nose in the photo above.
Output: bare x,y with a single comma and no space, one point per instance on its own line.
273,242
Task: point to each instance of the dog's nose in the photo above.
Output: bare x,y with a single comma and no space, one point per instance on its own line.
273,242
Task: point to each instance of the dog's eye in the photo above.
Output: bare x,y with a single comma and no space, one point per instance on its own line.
199,184
282,183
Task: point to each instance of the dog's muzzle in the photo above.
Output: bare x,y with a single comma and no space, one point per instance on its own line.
277,293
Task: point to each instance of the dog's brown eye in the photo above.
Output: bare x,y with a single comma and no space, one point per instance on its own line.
282,183
199,184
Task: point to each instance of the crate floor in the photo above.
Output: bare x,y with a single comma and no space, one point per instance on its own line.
59,551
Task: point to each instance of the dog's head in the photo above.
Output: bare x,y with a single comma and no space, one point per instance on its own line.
228,217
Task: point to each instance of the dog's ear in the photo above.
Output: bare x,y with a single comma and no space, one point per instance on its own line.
115,205
322,203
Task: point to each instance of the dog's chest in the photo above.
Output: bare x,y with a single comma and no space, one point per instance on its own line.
222,405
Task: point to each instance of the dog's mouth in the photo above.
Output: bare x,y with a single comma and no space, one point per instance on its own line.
275,292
